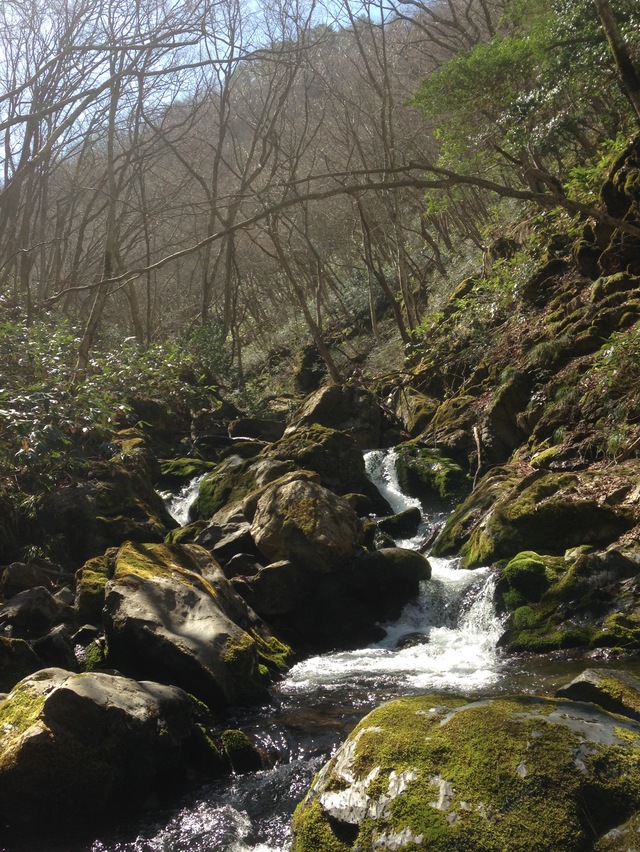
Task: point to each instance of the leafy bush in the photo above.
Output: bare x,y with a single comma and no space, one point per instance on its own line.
52,419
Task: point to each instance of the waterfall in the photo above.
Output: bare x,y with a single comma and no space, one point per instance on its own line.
178,504
445,640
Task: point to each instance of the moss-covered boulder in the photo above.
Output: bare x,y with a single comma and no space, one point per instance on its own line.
91,582
307,524
543,511
414,409
232,480
429,474
177,472
75,749
441,773
348,408
588,599
242,754
334,455
172,616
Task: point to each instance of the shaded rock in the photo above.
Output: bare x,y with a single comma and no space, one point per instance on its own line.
226,540
33,613
348,408
613,690
85,519
91,582
172,616
243,755
404,524
18,577
241,565
177,472
442,773
277,589
56,649
310,369
77,748
17,660
305,523
255,427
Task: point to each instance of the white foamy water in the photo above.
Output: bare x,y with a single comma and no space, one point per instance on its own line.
443,641
178,504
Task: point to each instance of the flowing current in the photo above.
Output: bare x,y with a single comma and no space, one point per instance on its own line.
445,641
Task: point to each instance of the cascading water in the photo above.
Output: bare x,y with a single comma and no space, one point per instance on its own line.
443,641
179,504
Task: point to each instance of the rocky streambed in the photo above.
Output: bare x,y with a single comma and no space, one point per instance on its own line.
226,659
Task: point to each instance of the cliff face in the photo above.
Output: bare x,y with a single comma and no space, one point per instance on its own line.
530,376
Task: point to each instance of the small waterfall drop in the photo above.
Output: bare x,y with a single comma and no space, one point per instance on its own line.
179,504
445,640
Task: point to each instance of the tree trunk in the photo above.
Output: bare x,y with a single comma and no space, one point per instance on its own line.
627,71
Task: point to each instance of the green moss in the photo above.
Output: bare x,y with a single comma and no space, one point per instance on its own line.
504,772
273,653
95,657
427,473
186,535
312,831
230,481
18,713
618,631
151,561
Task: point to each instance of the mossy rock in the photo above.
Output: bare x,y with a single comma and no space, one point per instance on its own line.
547,512
231,481
186,535
242,753
613,690
414,409
17,660
91,582
470,512
177,472
76,749
441,773
528,576
332,454
429,474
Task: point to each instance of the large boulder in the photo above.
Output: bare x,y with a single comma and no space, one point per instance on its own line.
232,480
307,524
172,616
77,748
443,773
33,613
332,454
543,511
316,611
348,408
116,505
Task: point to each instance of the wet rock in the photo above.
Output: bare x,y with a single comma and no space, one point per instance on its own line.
243,755
76,748
440,772
613,690
429,474
404,524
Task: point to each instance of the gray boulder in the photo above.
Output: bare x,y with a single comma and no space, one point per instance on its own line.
75,748
172,616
